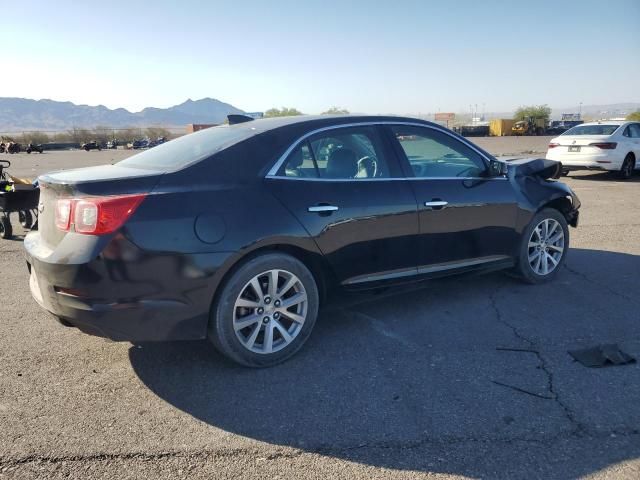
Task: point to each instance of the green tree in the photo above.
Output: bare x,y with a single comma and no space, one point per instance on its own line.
635,116
533,111
336,111
282,112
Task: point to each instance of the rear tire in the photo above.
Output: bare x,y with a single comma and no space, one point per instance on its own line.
262,329
629,164
543,247
6,231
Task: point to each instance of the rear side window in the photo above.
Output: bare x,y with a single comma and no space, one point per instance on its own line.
634,130
433,154
189,149
592,130
343,153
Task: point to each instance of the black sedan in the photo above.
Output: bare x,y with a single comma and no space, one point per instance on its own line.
236,233
93,145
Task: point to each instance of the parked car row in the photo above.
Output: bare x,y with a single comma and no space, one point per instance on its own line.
146,143
14,147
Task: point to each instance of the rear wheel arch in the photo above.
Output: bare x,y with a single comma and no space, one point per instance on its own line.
313,261
222,328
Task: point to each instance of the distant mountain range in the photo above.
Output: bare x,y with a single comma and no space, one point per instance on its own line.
19,114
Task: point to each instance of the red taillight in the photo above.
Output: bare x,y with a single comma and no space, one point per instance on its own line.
96,215
604,145
554,145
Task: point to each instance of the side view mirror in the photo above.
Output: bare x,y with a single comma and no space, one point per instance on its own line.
497,168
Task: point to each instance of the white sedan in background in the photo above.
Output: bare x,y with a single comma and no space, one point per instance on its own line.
604,145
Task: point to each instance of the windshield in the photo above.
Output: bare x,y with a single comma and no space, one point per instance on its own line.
592,130
189,149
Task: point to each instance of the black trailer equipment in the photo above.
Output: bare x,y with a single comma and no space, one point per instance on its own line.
16,198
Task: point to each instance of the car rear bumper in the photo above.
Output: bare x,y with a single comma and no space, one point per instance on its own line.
143,298
576,161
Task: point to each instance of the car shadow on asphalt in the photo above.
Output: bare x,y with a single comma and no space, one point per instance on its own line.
403,379
602,177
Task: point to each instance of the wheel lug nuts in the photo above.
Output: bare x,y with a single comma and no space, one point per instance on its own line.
267,300
260,311
276,315
277,303
265,320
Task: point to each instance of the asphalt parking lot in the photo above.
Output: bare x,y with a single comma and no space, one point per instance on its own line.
398,384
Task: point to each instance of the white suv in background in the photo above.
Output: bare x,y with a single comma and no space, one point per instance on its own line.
603,145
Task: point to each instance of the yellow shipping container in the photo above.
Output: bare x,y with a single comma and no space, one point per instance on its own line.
501,127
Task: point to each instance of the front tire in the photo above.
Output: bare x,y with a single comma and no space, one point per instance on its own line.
265,311
544,247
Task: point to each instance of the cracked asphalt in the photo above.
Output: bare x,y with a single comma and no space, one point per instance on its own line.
466,377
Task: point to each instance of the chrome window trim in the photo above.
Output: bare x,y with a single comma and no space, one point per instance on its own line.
273,172
395,179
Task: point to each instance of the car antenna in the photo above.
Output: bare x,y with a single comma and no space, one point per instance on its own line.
235,118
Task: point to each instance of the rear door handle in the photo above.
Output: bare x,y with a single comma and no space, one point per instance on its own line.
437,204
322,208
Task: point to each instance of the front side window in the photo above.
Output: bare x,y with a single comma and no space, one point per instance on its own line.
342,154
434,154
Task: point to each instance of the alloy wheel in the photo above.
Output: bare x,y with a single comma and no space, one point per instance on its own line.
270,311
546,246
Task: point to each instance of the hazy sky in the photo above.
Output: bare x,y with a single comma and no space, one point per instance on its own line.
368,56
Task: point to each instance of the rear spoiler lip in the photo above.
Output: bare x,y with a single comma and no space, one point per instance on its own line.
234,119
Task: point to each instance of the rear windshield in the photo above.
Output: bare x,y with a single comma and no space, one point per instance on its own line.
592,130
189,149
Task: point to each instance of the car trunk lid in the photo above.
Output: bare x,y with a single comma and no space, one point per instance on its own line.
105,180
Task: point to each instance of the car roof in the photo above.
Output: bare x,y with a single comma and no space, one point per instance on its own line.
266,124
605,122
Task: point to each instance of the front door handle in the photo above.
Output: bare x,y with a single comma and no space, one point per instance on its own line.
322,208
436,204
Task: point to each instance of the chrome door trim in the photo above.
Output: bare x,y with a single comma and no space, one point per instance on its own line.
376,277
425,269
278,164
396,179
441,267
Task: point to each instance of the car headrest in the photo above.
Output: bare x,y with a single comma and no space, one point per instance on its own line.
296,159
342,163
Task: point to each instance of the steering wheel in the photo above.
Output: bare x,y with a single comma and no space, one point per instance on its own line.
367,164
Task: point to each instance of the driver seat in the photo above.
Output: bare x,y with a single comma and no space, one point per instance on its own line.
342,163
